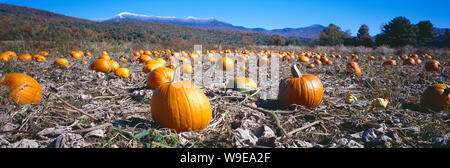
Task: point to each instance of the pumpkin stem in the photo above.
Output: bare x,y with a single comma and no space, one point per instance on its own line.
295,71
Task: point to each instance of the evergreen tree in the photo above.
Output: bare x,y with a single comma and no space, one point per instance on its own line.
364,37
399,32
331,36
424,32
381,39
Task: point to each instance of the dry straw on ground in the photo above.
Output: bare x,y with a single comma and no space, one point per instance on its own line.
82,108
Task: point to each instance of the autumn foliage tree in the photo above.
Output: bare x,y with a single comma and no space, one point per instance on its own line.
276,40
331,36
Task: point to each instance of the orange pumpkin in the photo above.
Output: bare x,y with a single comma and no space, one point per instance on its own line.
436,97
353,68
137,53
170,58
123,59
211,59
409,61
76,55
185,60
145,58
304,59
390,62
25,57
147,52
88,54
301,89
404,57
181,106
114,65
40,58
418,61
101,65
227,63
151,66
318,62
9,54
433,65
61,62
104,57
159,76
162,61
4,57
123,72
81,52
187,68
23,89
44,53
324,59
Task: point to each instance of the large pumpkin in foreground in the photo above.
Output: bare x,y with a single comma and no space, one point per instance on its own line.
436,97
159,76
23,89
301,89
181,106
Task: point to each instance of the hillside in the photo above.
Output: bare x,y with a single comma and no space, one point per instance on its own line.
22,23
214,24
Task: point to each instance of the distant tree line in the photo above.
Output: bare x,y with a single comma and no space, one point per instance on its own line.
19,24
286,41
35,25
398,32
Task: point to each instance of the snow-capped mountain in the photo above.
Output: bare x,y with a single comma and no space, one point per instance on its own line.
127,16
214,24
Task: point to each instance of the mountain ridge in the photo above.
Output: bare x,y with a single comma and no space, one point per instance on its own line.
26,23
312,31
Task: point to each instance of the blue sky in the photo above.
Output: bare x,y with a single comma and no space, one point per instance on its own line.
273,14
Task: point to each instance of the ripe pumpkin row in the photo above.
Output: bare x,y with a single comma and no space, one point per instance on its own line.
6,56
193,112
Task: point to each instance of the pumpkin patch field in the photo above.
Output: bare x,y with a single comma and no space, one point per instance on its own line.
323,97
